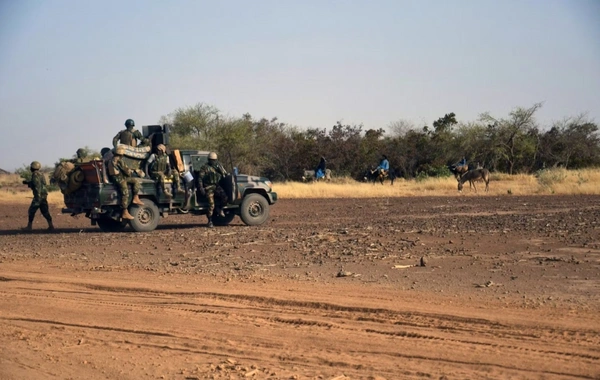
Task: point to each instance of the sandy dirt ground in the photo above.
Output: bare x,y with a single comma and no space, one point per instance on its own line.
471,287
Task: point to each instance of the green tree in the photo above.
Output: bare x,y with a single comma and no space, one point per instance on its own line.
513,139
194,127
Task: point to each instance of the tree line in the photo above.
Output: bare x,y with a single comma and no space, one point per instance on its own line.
512,144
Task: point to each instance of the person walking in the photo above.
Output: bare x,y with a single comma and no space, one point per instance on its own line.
38,186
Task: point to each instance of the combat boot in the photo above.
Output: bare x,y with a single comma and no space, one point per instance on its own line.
221,213
210,223
126,215
29,227
136,201
50,226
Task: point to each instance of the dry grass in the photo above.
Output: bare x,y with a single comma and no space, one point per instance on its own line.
23,196
12,190
551,181
9,180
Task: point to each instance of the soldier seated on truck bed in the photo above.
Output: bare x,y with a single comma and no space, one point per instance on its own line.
129,136
81,153
158,167
122,176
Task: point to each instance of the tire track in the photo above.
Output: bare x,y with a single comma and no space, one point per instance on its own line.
346,321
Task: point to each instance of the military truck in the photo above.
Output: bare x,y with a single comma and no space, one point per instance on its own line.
249,197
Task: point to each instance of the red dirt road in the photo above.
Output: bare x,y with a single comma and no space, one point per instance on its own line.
328,289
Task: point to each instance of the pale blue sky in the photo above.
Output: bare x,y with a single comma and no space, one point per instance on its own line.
72,71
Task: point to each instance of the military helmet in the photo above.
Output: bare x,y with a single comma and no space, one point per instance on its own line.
35,165
80,152
161,148
212,156
120,151
129,123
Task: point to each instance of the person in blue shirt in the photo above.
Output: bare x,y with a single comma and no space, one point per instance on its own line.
384,165
320,170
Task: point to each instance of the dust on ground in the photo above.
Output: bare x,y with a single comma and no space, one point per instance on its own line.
401,288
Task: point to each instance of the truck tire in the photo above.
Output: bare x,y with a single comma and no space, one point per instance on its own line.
145,218
107,224
223,221
254,210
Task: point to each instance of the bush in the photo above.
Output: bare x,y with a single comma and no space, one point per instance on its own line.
428,171
421,176
552,176
440,171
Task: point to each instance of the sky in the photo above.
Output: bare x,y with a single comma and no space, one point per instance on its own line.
72,72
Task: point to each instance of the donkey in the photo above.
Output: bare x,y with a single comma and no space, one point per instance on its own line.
473,176
458,170
374,175
309,175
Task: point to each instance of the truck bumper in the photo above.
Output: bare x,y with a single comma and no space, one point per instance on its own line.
272,197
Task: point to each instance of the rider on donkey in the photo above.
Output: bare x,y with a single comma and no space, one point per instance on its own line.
459,168
384,166
320,170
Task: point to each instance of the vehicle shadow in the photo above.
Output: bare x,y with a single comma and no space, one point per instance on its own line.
93,229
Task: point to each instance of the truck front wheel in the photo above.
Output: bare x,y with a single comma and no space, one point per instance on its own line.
145,218
254,210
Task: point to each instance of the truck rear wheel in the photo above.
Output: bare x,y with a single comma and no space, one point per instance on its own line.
254,210
107,224
145,218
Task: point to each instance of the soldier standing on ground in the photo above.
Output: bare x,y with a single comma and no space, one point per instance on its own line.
159,167
40,194
122,176
129,136
209,176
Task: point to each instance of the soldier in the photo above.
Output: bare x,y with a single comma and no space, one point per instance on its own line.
106,153
129,136
121,176
209,176
40,193
81,153
159,167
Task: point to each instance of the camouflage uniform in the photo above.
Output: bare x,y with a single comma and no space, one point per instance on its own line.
128,137
40,193
80,156
210,174
160,168
121,176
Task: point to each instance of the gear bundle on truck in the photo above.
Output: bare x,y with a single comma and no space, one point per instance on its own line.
88,190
